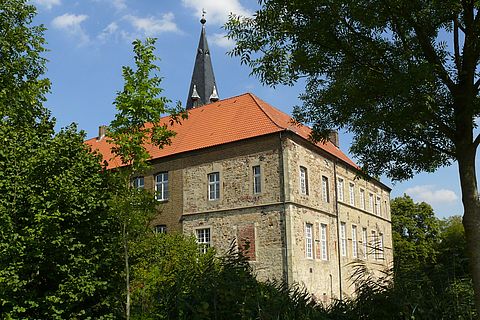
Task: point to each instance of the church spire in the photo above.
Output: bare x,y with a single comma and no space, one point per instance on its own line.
203,88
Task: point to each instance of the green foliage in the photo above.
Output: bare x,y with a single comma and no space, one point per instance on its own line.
415,232
55,257
55,230
173,280
21,66
379,69
140,108
431,276
401,76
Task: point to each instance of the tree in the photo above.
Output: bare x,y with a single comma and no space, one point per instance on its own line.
136,125
55,261
452,257
400,75
415,233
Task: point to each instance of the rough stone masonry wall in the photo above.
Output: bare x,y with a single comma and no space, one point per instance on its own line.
226,226
235,166
322,278
368,218
170,211
238,211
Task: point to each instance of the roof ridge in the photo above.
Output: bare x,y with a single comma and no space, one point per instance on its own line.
217,102
257,101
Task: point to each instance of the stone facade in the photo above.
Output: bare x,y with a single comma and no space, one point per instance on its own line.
293,218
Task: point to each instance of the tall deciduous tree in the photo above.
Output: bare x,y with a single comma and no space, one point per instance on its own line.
55,235
400,75
415,233
136,125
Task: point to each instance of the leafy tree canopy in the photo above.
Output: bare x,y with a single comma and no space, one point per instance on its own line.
402,76
415,232
140,108
380,69
56,256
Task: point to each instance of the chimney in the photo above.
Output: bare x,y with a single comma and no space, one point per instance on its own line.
333,138
102,130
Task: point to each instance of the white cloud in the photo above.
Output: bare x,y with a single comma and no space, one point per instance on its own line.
109,30
431,195
151,26
217,11
47,3
119,4
220,40
71,23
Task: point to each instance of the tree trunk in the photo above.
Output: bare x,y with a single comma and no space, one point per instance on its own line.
127,272
471,217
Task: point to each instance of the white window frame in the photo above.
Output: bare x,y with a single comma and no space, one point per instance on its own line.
343,239
324,241
138,182
160,228
213,186
161,186
370,202
354,241
351,192
340,189
309,240
378,206
365,243
204,239
257,179
362,199
325,191
380,246
374,244
303,180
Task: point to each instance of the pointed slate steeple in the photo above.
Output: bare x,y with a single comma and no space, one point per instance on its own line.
203,88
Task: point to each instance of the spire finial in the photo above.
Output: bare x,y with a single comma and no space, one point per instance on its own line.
203,20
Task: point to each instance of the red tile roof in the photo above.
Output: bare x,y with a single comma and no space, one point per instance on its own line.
233,119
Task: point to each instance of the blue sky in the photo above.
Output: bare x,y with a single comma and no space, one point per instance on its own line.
90,40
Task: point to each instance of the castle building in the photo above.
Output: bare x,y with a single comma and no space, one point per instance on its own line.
239,170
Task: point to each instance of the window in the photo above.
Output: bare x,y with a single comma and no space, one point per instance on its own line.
160,228
340,189
246,240
325,193
138,182
351,192
377,207
374,244
362,199
343,239
370,202
214,186
303,181
161,186
354,242
309,240
380,246
323,241
257,182
203,239
364,243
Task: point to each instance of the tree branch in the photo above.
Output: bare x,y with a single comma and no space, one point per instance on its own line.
456,44
477,85
432,57
476,141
